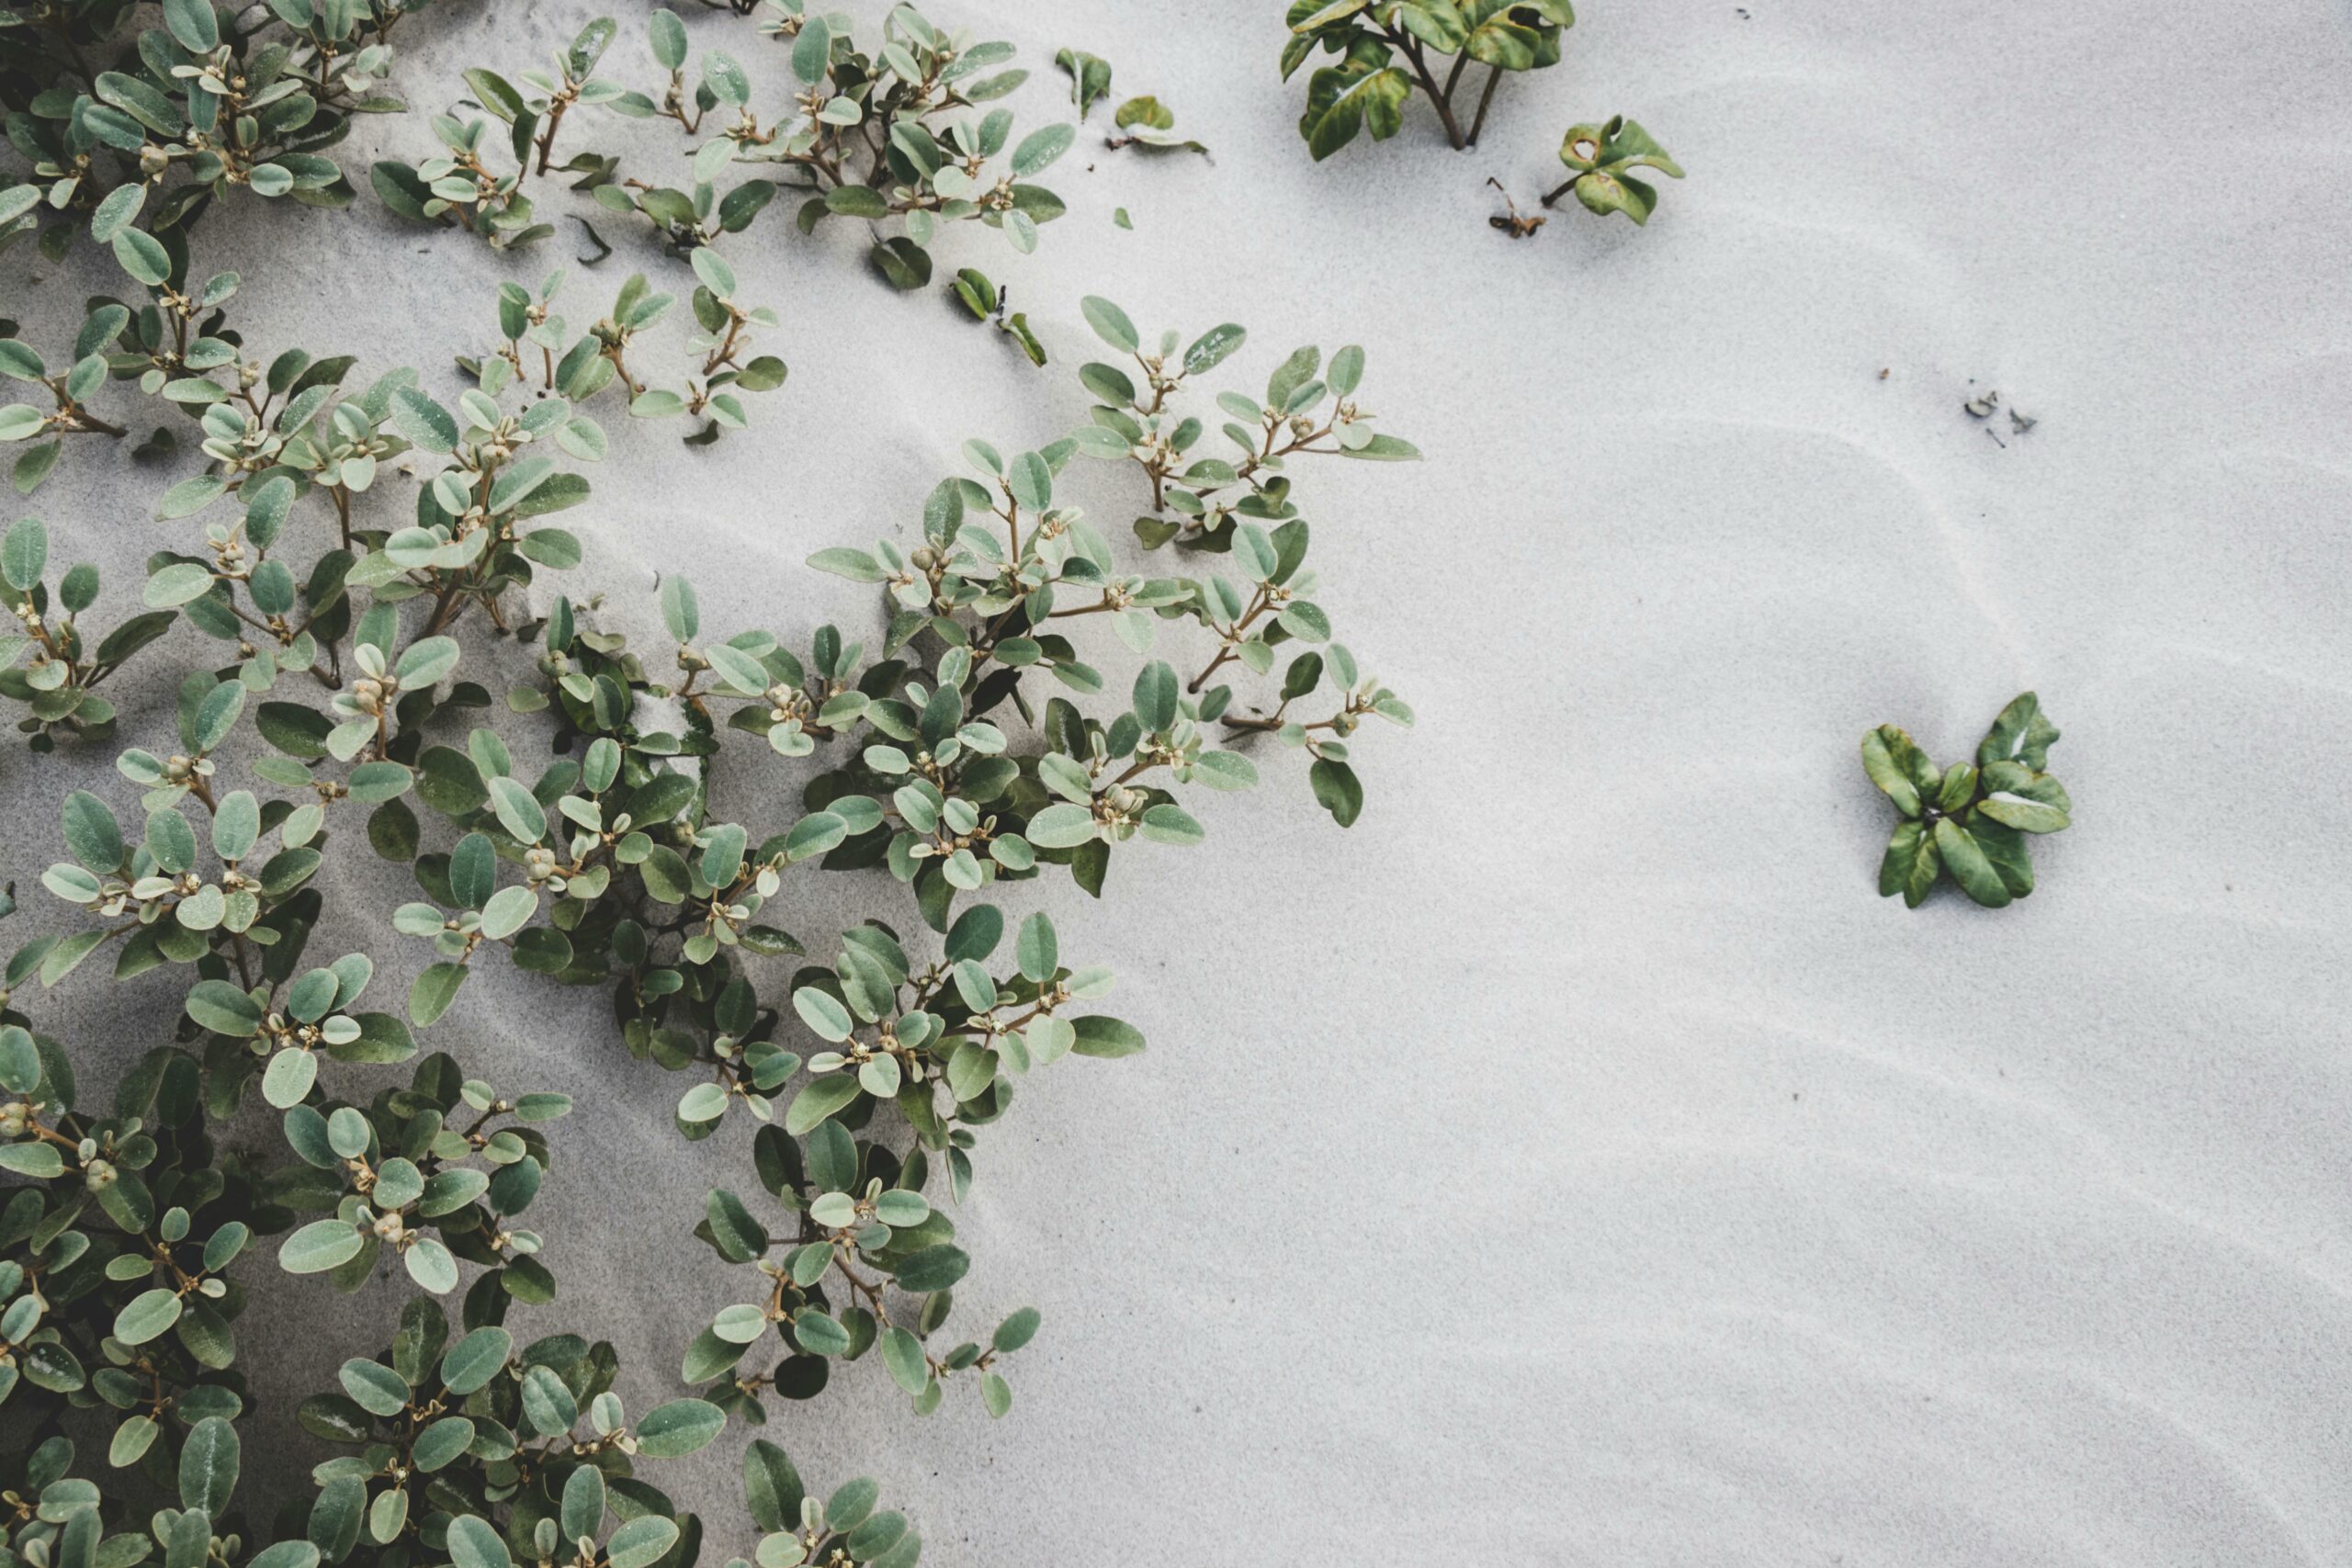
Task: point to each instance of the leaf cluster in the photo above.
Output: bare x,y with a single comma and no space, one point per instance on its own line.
113,124
1603,158
897,132
1384,51
1971,819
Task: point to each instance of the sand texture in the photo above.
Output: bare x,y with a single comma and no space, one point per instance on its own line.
1574,1163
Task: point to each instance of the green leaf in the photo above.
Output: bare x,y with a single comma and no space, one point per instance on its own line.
147,1316
209,1467
1211,347
374,1387
472,1362
440,1444
1109,323
140,252
818,1333
1040,148
39,1161
1016,1330
1911,863
1317,13
91,832
319,1246
1036,949
1157,692
640,1542
425,423
841,561
473,871
667,34
821,1012
1061,826
224,1010
739,1237
1337,790
435,988
1106,1037
933,1268
772,1486
738,669
680,610
1030,480
1968,864
1383,450
474,1542
1894,763
24,553
2019,735
176,584
518,811
1342,100
1958,788
678,1428
1166,824
856,201
193,25
2023,812
20,1070
902,1354
818,1100
1601,192
2006,850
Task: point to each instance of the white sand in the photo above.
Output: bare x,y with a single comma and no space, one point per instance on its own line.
1576,1163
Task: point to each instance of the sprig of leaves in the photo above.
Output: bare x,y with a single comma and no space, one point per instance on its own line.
1386,51
214,102
1969,819
1603,158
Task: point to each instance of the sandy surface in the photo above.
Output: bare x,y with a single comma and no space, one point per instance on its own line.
1576,1163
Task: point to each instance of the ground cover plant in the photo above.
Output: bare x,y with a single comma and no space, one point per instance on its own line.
118,112
362,614
899,130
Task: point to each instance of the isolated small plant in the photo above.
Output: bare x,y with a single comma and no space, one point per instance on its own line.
1972,820
990,303
1386,48
1603,158
1149,125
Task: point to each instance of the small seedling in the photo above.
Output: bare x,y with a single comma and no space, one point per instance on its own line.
1970,821
988,303
1603,157
1146,122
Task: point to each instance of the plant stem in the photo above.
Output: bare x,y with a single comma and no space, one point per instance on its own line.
1413,51
1484,99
